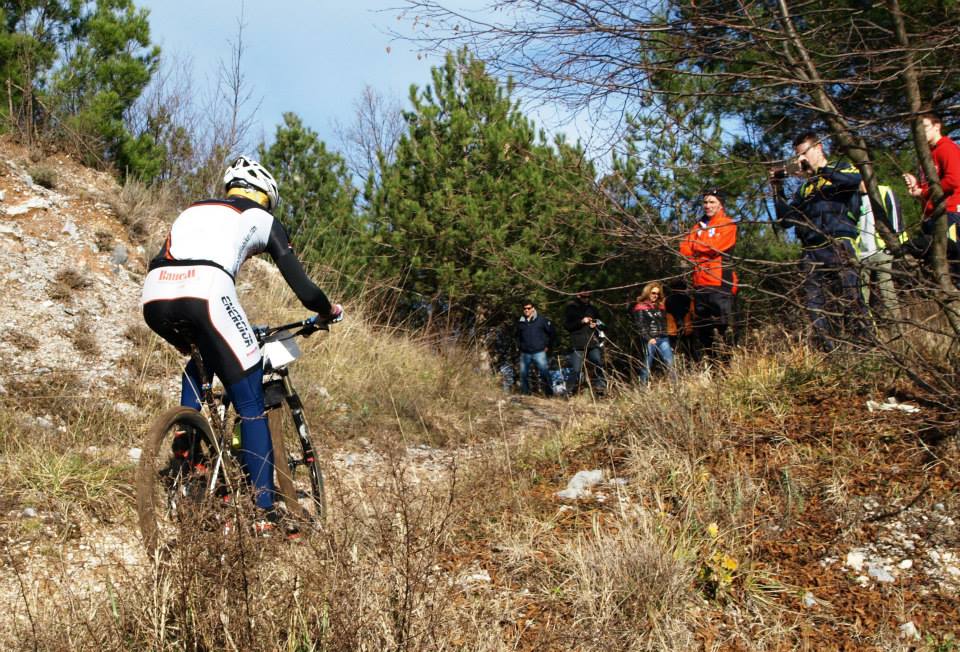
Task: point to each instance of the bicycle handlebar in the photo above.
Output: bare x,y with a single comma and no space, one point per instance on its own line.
306,327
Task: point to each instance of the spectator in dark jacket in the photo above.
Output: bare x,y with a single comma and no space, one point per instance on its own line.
535,336
680,309
650,317
821,214
582,319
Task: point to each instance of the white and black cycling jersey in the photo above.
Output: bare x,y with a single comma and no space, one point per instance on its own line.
226,232
189,295
222,231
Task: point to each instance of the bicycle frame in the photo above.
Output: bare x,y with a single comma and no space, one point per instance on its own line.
217,404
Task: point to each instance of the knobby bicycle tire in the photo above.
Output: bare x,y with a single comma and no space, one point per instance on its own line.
165,480
303,493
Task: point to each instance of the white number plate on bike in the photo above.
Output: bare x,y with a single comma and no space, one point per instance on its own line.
281,351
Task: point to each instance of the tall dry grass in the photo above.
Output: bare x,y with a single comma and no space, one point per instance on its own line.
381,383
403,563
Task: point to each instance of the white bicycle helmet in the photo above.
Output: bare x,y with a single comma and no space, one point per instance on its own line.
246,172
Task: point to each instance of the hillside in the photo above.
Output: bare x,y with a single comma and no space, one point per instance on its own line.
756,506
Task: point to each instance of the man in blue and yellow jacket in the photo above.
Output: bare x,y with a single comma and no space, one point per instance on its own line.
822,215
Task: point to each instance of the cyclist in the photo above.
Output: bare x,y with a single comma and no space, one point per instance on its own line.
189,297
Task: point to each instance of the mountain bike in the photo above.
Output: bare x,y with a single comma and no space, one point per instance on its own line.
190,468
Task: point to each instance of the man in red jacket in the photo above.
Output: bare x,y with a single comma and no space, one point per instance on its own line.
709,246
946,160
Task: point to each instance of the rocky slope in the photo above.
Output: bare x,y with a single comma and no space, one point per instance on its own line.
70,273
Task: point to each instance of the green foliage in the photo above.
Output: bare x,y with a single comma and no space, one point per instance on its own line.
75,68
32,33
317,194
762,77
109,64
478,209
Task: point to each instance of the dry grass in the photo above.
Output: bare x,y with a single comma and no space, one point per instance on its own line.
84,337
141,208
104,240
21,340
66,282
673,558
44,175
385,386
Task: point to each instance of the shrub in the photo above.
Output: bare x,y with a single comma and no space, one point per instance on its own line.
44,175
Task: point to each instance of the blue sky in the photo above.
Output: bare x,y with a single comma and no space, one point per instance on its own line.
312,57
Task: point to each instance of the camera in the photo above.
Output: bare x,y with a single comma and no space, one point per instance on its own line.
791,168
599,325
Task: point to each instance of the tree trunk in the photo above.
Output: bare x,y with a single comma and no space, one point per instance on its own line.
941,266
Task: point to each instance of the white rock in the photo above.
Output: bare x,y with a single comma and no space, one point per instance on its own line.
909,630
906,564
119,256
891,404
580,484
29,512
70,228
134,454
482,576
880,573
809,600
855,560
953,570
30,204
126,409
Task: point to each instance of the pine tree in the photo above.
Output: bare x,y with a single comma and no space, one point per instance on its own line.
318,197
108,64
478,209
32,35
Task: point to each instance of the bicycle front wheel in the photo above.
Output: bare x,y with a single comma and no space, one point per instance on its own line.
299,478
179,470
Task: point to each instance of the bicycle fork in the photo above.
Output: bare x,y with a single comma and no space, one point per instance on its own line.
292,399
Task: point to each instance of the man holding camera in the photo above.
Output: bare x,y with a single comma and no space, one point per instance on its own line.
582,319
822,215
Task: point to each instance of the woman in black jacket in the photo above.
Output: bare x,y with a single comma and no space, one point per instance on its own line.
650,317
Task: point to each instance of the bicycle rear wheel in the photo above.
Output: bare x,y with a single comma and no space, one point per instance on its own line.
176,477
299,478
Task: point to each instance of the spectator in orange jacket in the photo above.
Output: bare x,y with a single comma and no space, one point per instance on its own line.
708,246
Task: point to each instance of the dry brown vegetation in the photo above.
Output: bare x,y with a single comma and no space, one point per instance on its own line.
736,485
67,281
